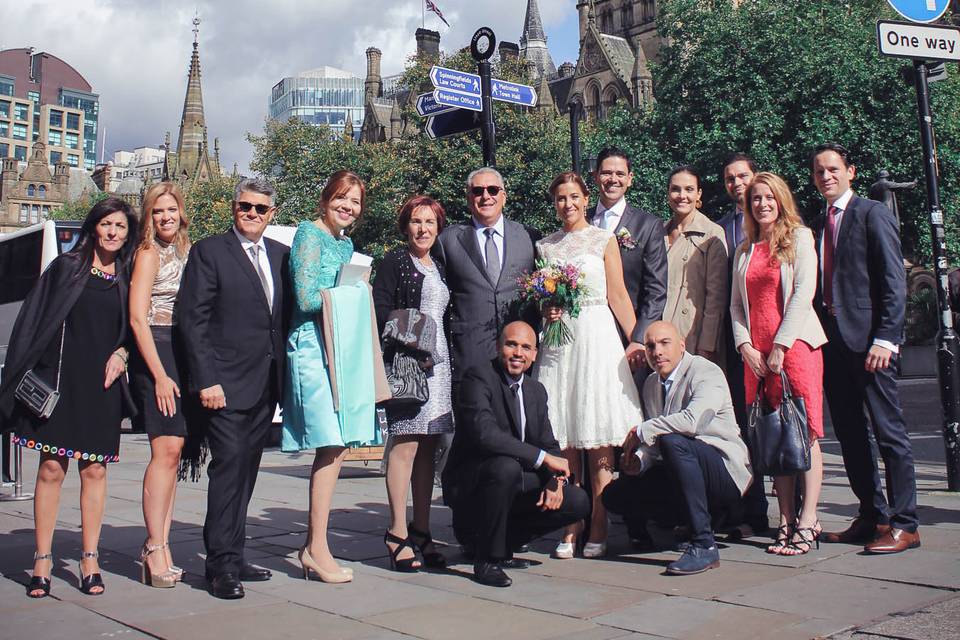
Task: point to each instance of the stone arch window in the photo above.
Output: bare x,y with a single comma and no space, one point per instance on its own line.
610,97
34,214
42,191
24,213
593,103
626,15
606,21
32,191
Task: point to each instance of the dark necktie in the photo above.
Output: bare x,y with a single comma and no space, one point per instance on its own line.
829,247
492,256
517,415
255,254
663,394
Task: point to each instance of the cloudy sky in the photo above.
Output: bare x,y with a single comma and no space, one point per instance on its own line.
136,53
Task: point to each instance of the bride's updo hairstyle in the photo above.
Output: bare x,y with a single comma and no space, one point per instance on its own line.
565,177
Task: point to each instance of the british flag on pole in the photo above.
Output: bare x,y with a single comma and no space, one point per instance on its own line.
435,9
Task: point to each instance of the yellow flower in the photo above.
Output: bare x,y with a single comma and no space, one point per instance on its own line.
550,285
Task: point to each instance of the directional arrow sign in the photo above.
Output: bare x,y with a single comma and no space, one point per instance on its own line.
919,42
427,106
451,123
513,93
443,78
458,99
920,10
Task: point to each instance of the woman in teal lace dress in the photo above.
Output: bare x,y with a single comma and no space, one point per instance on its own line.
309,419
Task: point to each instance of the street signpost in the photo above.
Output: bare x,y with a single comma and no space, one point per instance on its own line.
427,106
458,100
920,10
513,93
923,43
443,78
451,123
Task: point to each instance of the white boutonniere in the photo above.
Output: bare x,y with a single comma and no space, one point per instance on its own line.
625,240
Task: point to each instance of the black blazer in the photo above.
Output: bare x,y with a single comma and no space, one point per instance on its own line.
869,281
231,337
644,266
486,427
399,285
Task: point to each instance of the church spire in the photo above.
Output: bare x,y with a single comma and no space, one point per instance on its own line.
192,147
533,42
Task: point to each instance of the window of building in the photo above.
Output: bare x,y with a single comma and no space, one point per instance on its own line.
54,138
5,108
71,140
6,86
21,112
19,132
56,118
20,153
42,192
73,121
32,191
55,157
4,129
73,160
4,149
33,96
45,210
24,213
34,214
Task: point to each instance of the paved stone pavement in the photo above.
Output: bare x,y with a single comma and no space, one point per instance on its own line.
832,591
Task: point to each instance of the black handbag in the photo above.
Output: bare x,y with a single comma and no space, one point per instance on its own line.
778,438
407,380
39,397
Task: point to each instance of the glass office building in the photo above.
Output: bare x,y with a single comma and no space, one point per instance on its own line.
320,96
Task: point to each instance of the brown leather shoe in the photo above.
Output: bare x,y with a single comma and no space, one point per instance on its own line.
860,531
894,541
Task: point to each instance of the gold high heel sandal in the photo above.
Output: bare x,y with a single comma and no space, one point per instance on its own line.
331,577
174,569
165,580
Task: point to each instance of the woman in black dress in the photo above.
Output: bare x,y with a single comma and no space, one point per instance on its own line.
155,368
71,333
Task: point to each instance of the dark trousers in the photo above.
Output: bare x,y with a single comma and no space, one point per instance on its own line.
853,394
236,439
690,486
501,513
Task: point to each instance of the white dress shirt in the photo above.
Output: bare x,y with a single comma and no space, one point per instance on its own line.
523,414
609,218
497,238
841,205
245,244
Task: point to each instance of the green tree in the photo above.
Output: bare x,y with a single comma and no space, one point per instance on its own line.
77,209
208,205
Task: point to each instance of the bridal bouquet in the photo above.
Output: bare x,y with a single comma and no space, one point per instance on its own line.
557,285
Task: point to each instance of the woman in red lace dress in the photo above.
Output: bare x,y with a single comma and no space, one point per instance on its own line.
776,329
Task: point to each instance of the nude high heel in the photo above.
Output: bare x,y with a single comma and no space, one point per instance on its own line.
331,577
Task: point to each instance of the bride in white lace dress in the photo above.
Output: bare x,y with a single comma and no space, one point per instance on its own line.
591,396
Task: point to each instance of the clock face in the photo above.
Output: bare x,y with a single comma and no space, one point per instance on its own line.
483,43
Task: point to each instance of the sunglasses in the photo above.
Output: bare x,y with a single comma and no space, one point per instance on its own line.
262,209
493,190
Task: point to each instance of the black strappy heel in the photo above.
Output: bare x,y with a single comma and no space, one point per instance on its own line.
92,581
40,583
422,540
406,565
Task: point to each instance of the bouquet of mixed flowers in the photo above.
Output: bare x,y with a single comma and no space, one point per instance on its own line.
557,285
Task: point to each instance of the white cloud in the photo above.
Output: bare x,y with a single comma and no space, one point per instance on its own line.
136,53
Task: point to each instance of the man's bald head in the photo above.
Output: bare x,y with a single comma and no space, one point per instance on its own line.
517,347
664,347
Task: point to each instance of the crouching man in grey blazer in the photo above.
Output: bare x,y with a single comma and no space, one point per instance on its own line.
686,464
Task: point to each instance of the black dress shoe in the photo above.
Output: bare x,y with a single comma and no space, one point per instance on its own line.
491,575
226,586
515,563
250,573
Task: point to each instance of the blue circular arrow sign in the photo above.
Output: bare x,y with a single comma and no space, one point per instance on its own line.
920,10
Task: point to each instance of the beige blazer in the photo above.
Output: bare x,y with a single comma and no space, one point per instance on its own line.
799,284
697,284
697,406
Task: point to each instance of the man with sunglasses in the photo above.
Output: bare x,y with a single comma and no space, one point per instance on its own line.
483,259
233,317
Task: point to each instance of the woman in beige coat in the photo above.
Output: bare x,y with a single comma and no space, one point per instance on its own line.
696,268
776,329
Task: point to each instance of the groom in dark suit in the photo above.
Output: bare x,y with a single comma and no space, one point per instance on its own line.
506,479
642,250
483,259
233,316
861,300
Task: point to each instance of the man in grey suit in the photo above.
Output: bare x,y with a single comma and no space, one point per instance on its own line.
686,464
483,259
640,237
737,173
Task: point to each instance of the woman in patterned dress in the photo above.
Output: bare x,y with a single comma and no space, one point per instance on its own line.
156,369
412,278
310,421
592,399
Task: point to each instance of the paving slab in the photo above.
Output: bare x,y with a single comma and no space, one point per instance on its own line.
931,568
